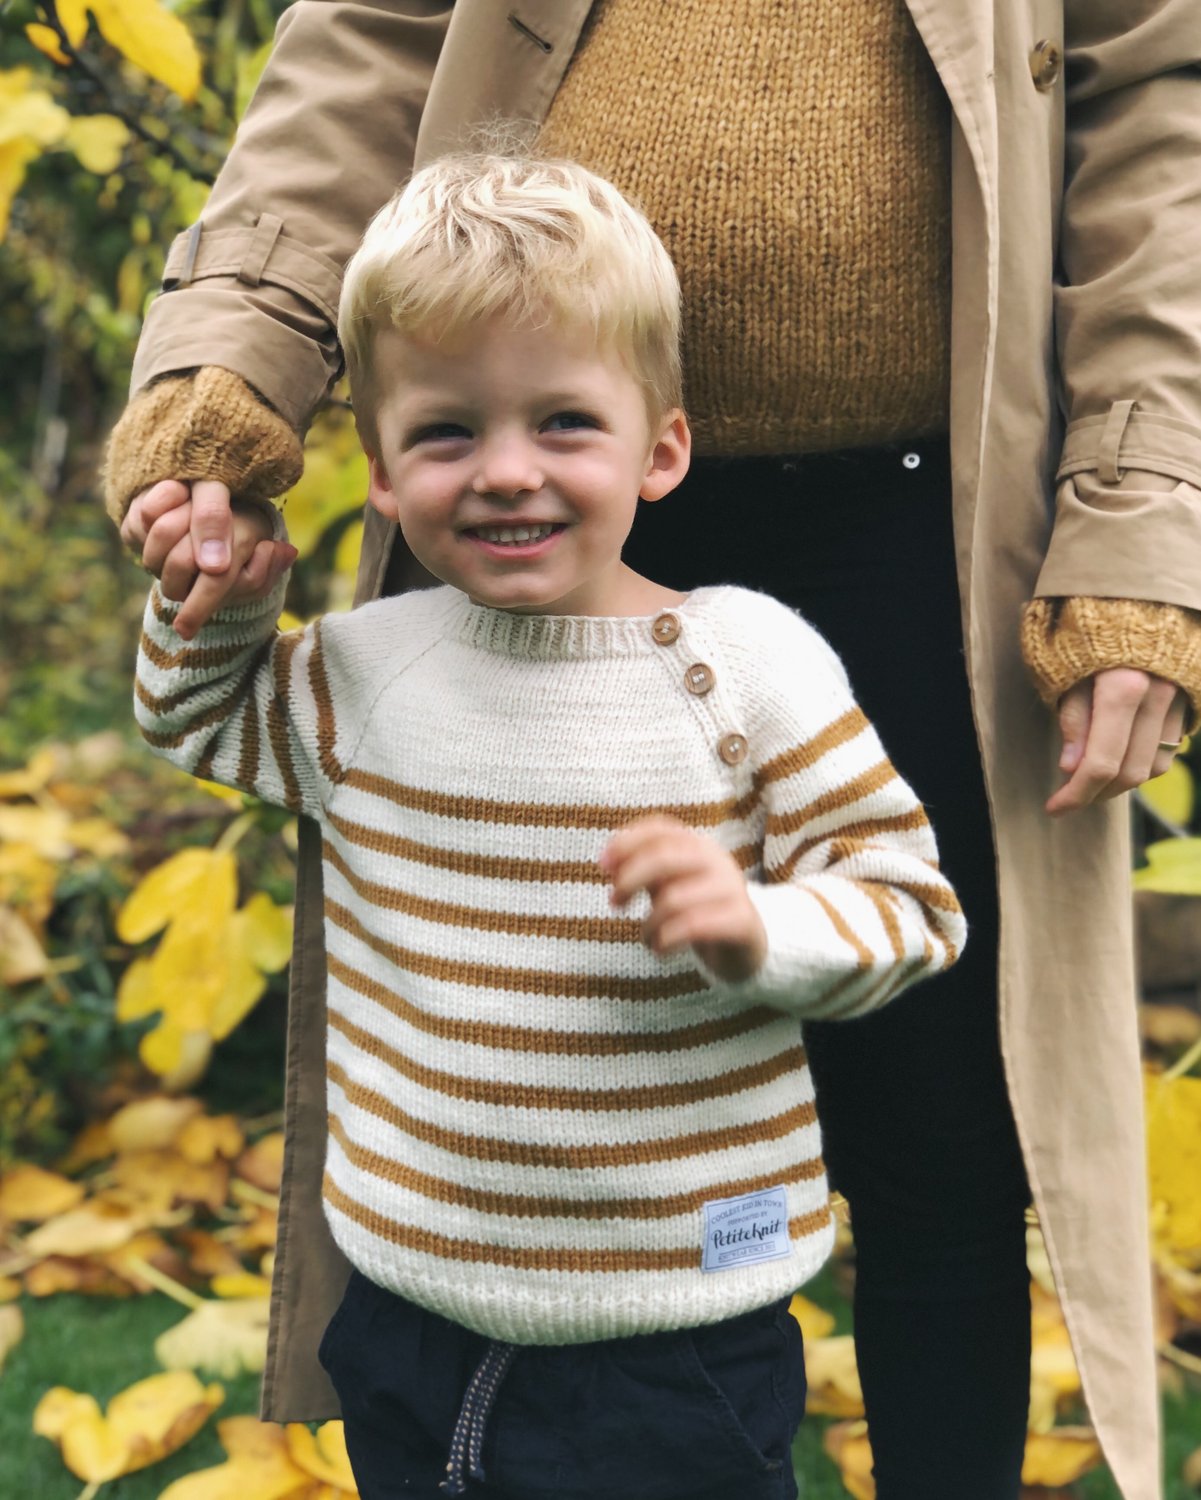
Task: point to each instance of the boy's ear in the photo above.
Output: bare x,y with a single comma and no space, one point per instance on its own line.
669,458
379,490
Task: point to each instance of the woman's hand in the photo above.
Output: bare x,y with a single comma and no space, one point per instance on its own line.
1113,725
698,895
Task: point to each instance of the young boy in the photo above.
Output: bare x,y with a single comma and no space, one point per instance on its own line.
592,848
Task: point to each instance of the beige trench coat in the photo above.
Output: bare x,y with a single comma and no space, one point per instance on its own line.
1077,238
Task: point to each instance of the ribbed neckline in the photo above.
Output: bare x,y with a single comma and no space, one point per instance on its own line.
562,637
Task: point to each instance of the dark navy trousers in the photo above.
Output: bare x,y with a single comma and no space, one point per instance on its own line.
703,1415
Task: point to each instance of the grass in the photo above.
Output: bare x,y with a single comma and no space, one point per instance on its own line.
101,1345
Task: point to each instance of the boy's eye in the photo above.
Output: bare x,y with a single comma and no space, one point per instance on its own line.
567,421
439,432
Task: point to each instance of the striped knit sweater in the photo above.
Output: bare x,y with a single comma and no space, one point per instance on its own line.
536,1125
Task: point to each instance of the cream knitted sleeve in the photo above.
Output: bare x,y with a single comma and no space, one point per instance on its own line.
851,896
204,425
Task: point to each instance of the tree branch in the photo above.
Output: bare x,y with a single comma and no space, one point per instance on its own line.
119,105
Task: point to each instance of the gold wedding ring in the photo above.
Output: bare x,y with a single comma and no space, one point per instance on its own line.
1172,745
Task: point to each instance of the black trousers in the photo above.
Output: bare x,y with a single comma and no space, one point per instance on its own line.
917,1129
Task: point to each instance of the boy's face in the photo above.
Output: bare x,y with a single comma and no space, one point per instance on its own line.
511,428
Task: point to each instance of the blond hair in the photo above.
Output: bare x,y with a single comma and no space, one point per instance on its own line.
538,242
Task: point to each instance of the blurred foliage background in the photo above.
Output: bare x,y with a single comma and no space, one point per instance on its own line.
144,918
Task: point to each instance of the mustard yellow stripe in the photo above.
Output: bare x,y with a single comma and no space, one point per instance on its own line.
555,1043
536,1258
528,981
489,867
659,1096
581,929
802,757
576,1158
535,814
532,1206
781,824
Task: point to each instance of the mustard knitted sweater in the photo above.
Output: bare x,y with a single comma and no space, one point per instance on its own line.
537,1127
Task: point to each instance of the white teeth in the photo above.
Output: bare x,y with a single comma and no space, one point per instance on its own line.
514,533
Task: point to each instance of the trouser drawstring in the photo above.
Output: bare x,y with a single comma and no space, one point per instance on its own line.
467,1440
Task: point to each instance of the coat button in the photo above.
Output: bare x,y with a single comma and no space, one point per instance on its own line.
1046,64
699,678
666,628
732,749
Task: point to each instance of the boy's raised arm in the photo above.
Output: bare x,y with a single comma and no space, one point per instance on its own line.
239,704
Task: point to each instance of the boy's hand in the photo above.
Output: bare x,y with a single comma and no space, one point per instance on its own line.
698,895
257,564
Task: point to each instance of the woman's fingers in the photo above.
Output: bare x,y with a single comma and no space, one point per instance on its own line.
212,525
1116,746
148,506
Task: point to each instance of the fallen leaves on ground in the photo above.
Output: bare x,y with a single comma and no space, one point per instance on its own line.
267,1462
143,1423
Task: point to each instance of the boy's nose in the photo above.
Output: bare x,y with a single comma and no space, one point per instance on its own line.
508,466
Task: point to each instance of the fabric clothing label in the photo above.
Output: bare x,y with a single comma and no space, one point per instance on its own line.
743,1231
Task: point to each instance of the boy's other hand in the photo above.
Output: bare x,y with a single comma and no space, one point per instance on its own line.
698,895
257,564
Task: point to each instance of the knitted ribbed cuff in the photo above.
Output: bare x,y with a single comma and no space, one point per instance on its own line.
210,425
1065,641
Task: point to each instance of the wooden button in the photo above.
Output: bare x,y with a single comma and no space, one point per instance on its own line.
699,678
666,628
1046,64
732,749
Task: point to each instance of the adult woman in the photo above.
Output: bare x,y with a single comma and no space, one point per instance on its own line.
252,292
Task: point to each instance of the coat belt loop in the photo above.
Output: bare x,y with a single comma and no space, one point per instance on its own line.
1108,448
262,242
192,245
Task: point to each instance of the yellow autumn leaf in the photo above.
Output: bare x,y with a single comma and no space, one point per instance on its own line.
58,1407
37,771
92,1450
27,111
162,1049
1058,1458
206,1137
29,1194
263,1163
239,995
833,1377
47,830
98,836
73,15
15,156
1173,868
333,485
1174,1163
27,882
93,1226
222,793
158,1415
259,1467
847,1444
221,1337
191,1051
1054,1378
263,931
12,1330
22,957
98,141
152,39
1171,795
322,1455
201,883
239,1284
815,1322
150,1124
137,992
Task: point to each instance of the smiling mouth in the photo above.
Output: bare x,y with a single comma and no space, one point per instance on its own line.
515,536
